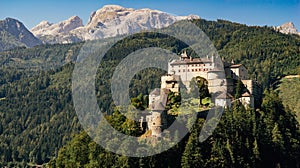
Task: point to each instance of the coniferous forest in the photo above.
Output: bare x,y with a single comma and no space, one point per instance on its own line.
39,125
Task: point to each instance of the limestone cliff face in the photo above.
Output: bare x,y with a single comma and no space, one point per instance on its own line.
58,32
13,33
287,28
109,21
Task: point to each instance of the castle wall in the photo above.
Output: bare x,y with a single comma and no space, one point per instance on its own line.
170,82
153,99
239,72
249,85
223,102
187,71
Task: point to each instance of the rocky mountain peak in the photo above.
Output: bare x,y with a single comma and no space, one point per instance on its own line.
287,28
70,24
112,8
12,24
74,19
108,21
42,25
46,28
14,33
107,13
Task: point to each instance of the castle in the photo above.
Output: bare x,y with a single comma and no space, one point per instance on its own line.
219,75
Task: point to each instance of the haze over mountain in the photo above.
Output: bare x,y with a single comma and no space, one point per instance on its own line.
109,21
13,34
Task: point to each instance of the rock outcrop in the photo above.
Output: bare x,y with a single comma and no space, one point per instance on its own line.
59,32
288,28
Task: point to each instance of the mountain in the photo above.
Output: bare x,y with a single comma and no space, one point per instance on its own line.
13,33
288,28
59,32
38,116
109,21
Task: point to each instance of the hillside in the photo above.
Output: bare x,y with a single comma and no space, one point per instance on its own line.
289,93
36,103
267,54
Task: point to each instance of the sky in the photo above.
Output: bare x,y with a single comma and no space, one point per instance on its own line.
250,12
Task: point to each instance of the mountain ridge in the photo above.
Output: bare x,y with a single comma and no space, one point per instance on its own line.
108,21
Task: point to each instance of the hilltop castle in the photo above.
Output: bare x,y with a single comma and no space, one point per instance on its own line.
221,77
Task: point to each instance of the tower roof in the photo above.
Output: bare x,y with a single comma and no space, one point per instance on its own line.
155,92
158,106
224,96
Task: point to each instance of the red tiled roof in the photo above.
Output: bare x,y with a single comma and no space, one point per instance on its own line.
189,61
246,94
236,65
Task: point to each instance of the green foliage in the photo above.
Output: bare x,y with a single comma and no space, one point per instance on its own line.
239,89
243,138
289,93
174,100
37,116
140,102
199,88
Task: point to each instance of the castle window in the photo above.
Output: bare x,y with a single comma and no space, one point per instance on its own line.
178,70
183,70
188,70
192,70
196,70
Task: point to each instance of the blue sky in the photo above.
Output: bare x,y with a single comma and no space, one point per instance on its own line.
250,12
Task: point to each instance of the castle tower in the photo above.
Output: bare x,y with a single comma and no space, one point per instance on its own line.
155,120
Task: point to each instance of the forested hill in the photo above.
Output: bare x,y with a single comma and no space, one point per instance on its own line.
266,53
36,110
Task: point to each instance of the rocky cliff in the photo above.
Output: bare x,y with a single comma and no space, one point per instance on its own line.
288,28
